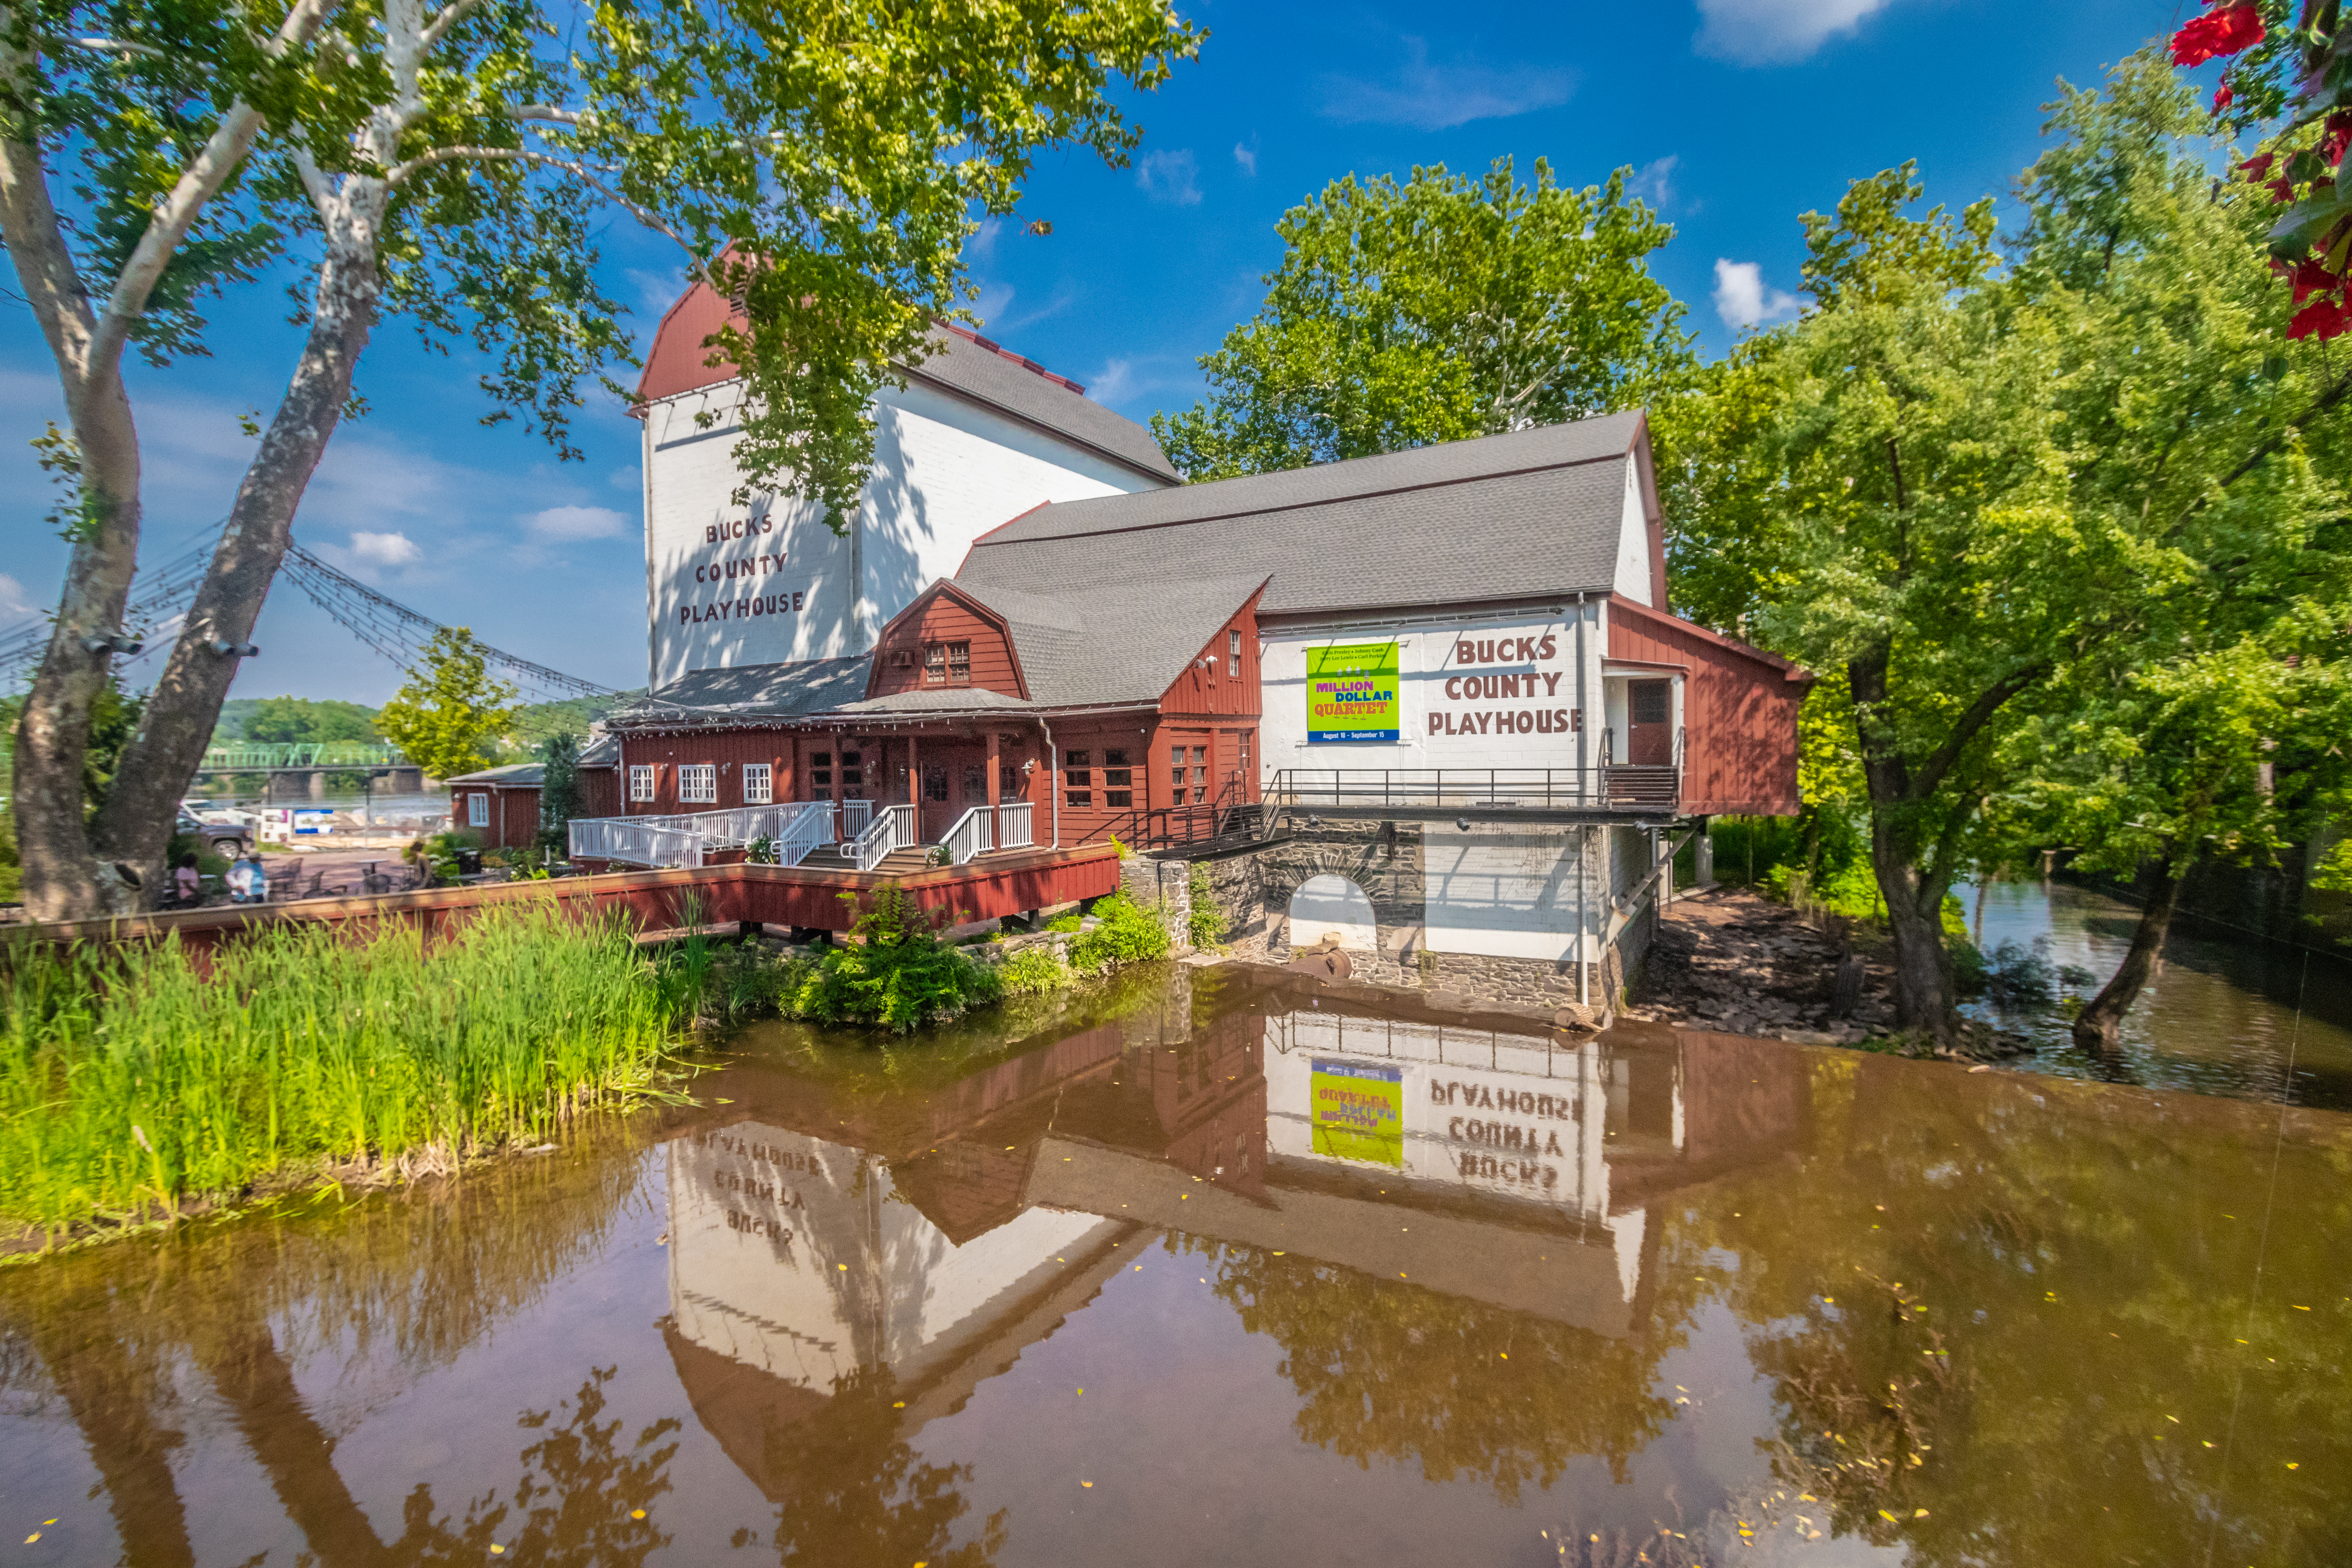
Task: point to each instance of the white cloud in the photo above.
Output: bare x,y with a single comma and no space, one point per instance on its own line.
1171,177
657,290
627,477
1775,32
577,522
1437,97
1742,300
1653,181
15,600
1245,154
384,549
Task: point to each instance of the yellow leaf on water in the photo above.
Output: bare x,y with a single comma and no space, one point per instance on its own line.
1085,1483
1919,1513
32,1537
901,1405
2294,1464
495,1549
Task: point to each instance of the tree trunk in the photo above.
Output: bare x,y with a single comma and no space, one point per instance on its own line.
1922,965
2099,1027
62,878
135,824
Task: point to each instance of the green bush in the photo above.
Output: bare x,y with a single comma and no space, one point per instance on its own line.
1208,922
895,974
1066,924
1033,972
1124,933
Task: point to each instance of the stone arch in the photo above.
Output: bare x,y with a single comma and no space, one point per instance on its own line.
1282,871
1328,906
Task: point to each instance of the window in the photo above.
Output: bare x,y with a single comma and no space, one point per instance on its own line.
1008,781
1653,702
821,773
698,783
1200,774
975,784
1233,656
903,658
851,771
1176,772
1248,778
759,784
948,663
1118,780
478,811
641,783
1078,774
935,782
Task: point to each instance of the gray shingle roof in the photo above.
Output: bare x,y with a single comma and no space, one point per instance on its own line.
940,700
512,774
722,696
1532,513
1113,642
1011,384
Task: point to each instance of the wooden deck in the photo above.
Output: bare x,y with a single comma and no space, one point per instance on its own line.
1004,883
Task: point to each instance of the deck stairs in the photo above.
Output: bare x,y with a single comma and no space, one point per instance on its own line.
898,863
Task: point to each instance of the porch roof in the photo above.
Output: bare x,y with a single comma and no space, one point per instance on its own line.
705,698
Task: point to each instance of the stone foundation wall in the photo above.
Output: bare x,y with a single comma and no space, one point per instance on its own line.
1253,886
1164,885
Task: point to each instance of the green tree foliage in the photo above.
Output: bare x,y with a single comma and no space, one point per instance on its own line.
302,719
1999,491
1433,309
894,972
444,715
559,793
821,163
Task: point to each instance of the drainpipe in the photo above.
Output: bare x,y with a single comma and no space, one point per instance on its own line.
1583,712
1053,778
1583,921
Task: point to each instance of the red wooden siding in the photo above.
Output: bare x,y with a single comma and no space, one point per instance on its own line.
600,792
1739,712
728,751
1211,688
940,616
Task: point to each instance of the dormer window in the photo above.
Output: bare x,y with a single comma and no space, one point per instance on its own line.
903,658
947,663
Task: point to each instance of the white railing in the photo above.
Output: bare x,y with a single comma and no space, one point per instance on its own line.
987,827
857,816
640,841
893,828
806,833
805,825
973,834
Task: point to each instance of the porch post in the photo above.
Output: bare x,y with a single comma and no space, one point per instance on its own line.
993,738
915,783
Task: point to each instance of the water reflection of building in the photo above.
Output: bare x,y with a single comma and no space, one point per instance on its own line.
823,1231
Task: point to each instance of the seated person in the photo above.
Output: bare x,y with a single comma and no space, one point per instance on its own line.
187,887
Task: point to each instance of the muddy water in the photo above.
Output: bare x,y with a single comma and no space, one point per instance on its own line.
2224,1016
1212,1271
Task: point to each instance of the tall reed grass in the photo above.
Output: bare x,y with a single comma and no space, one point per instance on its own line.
131,1081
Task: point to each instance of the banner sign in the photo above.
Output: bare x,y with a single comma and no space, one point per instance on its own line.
1351,692
1358,1110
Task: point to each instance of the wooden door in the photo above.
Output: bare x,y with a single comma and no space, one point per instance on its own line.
1650,722
1227,768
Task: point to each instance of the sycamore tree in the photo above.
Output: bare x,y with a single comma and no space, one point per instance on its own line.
449,709
822,162
1433,309
2016,492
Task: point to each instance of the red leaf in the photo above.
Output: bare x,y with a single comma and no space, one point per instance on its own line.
2310,276
2224,30
2223,96
2321,318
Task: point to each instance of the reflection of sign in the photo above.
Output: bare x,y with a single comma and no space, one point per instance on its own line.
1358,1110
1351,691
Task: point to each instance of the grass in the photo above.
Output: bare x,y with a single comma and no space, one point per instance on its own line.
131,1082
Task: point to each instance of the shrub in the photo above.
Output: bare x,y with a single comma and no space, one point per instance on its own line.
1124,933
1208,922
1066,924
897,974
1033,972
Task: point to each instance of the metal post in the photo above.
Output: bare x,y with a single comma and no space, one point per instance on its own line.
1583,712
1583,920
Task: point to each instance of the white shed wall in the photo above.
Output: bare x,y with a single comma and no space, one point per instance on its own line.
775,584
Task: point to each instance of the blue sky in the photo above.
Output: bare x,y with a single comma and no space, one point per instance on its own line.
1738,114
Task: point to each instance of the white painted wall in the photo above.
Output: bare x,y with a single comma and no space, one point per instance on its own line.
945,471
1513,892
1446,722
1333,907
794,1256
1632,578
1531,1127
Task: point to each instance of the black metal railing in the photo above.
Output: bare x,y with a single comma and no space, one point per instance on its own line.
1231,817
1607,788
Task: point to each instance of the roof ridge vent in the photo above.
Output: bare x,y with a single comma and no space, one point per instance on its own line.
1000,352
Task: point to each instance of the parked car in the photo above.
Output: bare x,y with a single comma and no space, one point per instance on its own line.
220,832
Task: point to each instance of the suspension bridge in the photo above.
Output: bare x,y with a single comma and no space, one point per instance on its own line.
161,597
